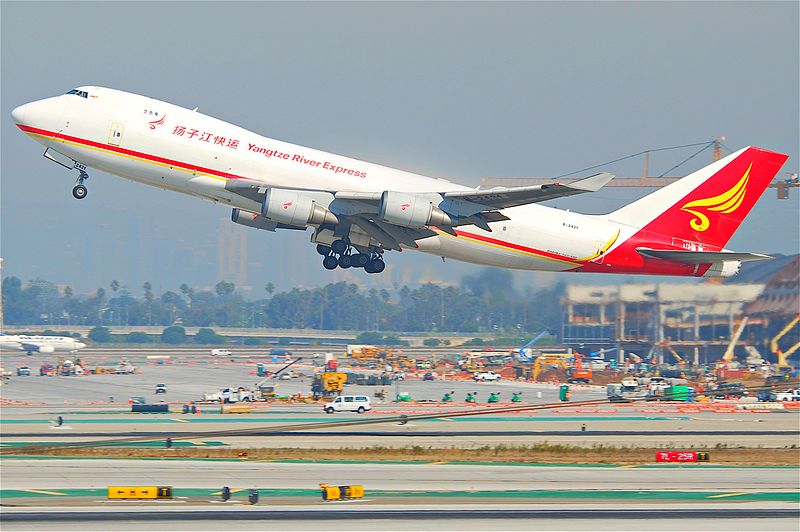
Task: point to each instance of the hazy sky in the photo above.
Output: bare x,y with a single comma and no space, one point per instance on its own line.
461,91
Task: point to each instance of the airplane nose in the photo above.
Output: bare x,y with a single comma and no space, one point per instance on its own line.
79,345
19,114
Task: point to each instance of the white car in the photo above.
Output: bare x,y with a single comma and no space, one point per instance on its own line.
220,353
788,395
349,403
486,376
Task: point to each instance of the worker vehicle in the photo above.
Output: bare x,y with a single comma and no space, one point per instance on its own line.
328,384
124,368
46,369
220,353
788,395
23,371
349,403
231,395
161,388
429,376
486,376
625,391
730,390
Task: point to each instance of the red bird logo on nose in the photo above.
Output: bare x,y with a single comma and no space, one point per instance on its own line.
404,206
288,204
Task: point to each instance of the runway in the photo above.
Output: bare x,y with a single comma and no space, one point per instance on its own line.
411,518
55,474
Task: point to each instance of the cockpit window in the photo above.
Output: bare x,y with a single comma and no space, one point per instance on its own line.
82,94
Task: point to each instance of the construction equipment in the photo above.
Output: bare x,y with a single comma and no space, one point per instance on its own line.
328,384
550,360
678,359
727,359
523,353
784,356
577,373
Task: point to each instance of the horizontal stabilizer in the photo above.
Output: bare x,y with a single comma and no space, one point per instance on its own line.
700,257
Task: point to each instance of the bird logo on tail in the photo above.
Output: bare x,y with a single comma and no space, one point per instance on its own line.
725,203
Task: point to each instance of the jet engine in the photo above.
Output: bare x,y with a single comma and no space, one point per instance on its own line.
727,268
46,349
411,210
251,219
292,207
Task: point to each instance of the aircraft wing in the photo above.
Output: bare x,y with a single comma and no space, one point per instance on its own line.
505,197
394,218
700,257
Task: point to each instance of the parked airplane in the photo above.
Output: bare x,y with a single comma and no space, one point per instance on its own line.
40,344
358,210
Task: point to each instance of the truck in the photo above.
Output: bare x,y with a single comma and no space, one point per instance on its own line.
788,395
625,391
486,376
124,368
220,353
232,395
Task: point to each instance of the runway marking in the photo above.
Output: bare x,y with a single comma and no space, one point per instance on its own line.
179,420
437,463
721,495
45,492
629,466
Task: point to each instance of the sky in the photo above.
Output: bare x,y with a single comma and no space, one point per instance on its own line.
461,91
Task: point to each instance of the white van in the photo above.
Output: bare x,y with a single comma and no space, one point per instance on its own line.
349,403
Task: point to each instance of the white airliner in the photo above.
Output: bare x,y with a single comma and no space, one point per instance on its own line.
40,344
358,210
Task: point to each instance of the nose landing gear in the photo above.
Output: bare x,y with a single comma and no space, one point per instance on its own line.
79,191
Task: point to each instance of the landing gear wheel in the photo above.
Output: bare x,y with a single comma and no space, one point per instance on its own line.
79,192
378,266
323,250
345,261
330,262
368,267
360,260
339,246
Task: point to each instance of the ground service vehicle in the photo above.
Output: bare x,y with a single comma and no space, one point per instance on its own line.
231,395
349,403
23,371
486,376
220,353
327,384
161,388
789,395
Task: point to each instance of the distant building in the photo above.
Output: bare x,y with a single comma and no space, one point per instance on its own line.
688,318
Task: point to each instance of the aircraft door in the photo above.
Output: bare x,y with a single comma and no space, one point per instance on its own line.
115,133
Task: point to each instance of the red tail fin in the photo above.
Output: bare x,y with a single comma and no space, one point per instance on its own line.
708,205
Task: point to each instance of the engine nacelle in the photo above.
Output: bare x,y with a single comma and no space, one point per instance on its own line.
46,349
292,207
727,268
251,219
411,210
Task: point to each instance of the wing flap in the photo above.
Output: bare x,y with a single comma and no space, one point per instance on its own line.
700,257
505,197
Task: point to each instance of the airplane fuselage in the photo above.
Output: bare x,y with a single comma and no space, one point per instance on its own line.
41,344
170,147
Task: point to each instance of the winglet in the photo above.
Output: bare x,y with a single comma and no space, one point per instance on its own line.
593,183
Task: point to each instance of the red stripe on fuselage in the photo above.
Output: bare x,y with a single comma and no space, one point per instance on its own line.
518,247
133,153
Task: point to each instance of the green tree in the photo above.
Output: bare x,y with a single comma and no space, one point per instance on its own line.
174,334
100,334
208,336
138,337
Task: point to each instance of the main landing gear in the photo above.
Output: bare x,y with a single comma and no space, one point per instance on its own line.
340,254
79,191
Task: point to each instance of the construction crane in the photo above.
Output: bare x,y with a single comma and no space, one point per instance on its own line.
783,356
727,358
